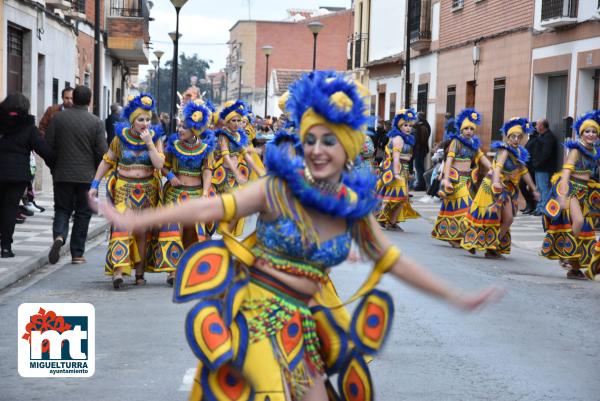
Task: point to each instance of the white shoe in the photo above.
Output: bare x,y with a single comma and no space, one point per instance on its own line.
31,208
435,199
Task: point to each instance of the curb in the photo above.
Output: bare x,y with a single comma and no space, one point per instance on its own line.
40,260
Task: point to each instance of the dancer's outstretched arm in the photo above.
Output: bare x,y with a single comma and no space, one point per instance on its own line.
249,200
416,276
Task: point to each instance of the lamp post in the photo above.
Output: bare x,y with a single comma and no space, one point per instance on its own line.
212,88
315,27
155,64
158,54
240,64
226,82
177,4
173,101
267,50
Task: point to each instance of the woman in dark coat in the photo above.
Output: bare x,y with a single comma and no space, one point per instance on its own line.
18,137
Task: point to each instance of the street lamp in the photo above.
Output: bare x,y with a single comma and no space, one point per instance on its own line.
155,64
177,4
226,82
158,54
267,50
315,27
212,85
240,64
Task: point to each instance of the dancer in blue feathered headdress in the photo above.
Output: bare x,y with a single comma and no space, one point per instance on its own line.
188,168
461,167
135,158
392,186
256,296
570,236
495,204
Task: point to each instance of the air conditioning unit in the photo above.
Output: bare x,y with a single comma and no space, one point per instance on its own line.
61,4
59,13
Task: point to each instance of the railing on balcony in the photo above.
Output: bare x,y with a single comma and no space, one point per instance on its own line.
128,8
552,9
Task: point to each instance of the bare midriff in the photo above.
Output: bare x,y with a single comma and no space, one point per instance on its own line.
582,177
462,166
189,181
135,172
298,283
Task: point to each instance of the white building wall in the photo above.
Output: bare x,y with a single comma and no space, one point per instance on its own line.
420,66
388,19
435,21
556,50
394,84
57,44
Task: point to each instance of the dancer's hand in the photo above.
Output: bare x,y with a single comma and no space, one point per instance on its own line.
536,195
146,136
470,302
497,187
175,182
93,193
241,179
447,185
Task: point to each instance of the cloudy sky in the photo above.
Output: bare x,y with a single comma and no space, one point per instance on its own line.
205,24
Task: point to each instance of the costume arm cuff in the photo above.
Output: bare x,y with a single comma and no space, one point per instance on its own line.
568,166
229,207
109,160
170,175
95,184
451,154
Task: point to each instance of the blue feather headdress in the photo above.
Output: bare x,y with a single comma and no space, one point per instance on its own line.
320,91
469,114
285,137
593,115
196,115
516,121
143,101
238,107
408,115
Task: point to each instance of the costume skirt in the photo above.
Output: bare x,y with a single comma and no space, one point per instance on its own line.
170,245
450,224
560,242
483,219
257,338
224,181
135,194
393,193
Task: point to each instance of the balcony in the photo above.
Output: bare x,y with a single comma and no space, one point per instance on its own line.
418,24
557,13
127,31
60,4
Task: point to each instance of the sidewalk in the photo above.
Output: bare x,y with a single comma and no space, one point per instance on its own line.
32,239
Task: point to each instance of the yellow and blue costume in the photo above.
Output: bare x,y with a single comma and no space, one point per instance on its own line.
131,152
392,190
560,242
257,338
483,220
183,158
450,224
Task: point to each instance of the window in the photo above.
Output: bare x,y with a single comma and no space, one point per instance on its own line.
470,98
596,104
81,6
451,100
15,60
498,107
392,112
67,84
422,93
86,79
558,8
54,91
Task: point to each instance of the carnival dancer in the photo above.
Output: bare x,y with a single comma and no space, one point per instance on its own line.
460,171
570,236
134,158
392,186
495,205
188,168
253,329
248,125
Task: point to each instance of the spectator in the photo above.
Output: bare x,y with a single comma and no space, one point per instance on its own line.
164,121
77,138
113,118
449,126
18,137
379,141
530,203
421,150
543,161
67,102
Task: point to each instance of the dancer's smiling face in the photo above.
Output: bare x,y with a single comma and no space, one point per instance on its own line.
234,123
590,135
468,132
405,128
324,154
185,134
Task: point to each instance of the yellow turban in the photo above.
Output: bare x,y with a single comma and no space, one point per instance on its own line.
587,124
137,112
351,140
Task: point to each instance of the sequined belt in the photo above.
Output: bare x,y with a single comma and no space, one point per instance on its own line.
270,283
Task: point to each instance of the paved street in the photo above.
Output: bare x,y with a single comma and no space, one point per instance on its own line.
539,343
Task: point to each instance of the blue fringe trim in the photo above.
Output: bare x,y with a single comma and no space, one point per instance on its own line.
208,139
573,144
474,144
242,143
408,139
284,136
520,153
290,169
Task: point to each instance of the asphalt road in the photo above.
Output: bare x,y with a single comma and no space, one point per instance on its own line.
541,342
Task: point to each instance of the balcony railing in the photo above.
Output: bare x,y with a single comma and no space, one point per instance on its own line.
552,9
418,24
127,8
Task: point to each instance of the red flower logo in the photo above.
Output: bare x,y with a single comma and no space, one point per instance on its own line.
44,321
